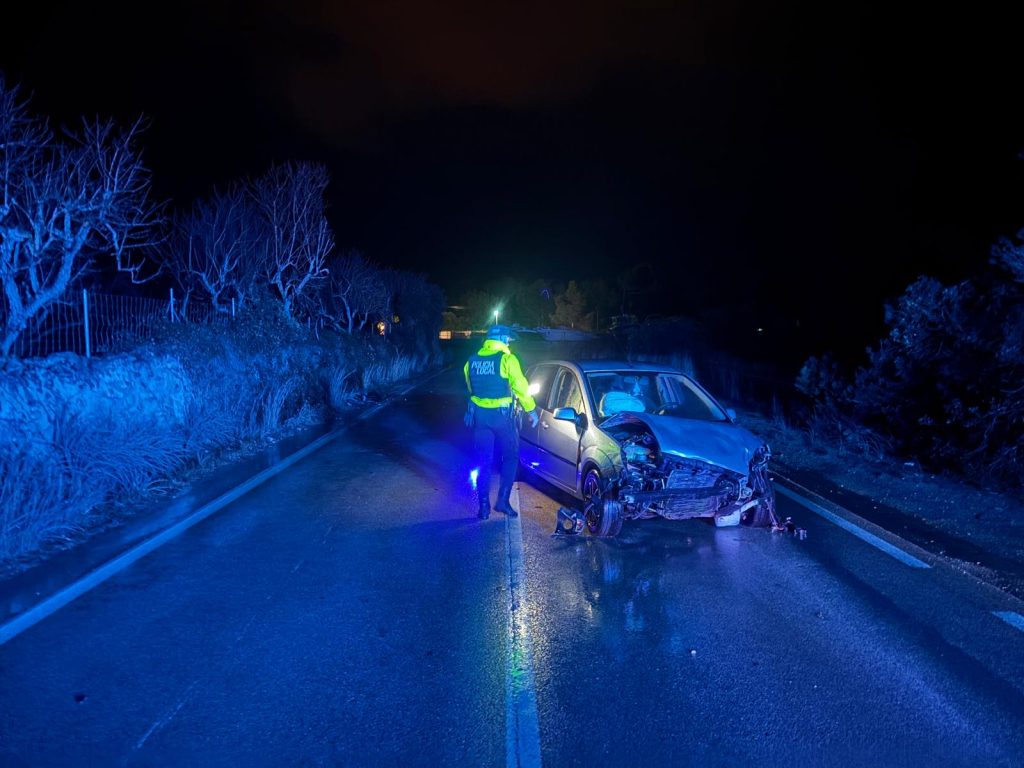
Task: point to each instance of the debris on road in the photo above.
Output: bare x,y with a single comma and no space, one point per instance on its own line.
788,526
568,523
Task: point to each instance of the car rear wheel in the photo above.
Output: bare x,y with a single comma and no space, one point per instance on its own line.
603,516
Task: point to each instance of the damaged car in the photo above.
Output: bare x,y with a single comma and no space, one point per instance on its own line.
632,441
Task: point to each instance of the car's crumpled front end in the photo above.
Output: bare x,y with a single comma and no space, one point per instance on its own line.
673,480
763,513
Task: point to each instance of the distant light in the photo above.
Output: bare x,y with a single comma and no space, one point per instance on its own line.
495,317
760,330
534,464
533,389
474,473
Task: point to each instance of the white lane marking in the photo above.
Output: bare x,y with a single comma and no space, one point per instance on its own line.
76,589
324,539
522,732
1011,618
162,721
245,629
860,533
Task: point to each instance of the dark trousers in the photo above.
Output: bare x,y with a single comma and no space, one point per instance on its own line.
495,424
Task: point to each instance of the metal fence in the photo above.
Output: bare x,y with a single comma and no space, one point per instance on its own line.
90,323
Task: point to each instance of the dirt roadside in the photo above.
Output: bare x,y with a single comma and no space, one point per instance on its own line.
976,530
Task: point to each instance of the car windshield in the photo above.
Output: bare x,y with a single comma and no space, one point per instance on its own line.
669,394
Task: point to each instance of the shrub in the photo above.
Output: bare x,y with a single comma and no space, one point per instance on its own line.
944,385
41,497
340,384
49,490
235,384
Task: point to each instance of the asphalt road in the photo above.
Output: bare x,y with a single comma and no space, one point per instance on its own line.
353,611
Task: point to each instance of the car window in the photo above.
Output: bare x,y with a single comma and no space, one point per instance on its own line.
657,392
542,376
567,393
617,391
683,400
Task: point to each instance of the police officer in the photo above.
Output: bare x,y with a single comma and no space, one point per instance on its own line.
493,375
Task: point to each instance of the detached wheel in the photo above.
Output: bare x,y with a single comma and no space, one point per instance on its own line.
603,516
761,516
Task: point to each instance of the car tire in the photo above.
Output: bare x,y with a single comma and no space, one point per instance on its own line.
763,514
603,516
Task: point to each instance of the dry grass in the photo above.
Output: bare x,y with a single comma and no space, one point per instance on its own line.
207,425
56,492
381,374
39,498
267,412
341,385
48,491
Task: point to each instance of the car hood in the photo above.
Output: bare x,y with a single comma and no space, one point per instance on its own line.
716,442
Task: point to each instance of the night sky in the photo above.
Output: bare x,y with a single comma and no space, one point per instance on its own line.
747,150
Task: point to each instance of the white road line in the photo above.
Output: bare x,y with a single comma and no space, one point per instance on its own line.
170,715
324,539
522,732
76,589
1011,618
860,533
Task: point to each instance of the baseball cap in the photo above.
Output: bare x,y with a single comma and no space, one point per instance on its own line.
499,331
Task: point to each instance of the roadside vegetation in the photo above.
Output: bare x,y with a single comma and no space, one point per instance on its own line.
293,330
945,387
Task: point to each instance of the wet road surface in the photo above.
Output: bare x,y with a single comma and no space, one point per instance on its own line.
353,611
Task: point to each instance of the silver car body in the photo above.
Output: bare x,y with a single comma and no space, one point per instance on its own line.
563,451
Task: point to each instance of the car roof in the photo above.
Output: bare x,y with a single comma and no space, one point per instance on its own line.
589,366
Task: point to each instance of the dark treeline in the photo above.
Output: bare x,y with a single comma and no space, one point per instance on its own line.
946,385
77,207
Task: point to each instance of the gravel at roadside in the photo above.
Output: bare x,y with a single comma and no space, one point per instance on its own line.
979,530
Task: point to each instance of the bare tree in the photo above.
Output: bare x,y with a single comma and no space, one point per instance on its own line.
359,290
316,308
65,203
290,198
217,249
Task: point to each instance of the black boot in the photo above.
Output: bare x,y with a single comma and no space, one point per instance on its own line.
485,506
504,504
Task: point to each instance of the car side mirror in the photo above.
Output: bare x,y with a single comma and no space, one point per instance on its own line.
565,414
570,414
731,414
